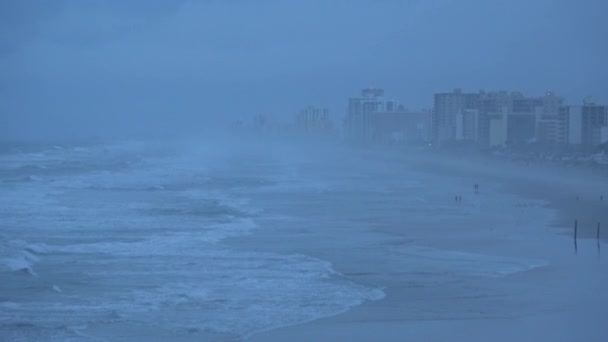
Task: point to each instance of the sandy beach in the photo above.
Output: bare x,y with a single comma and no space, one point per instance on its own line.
522,218
576,193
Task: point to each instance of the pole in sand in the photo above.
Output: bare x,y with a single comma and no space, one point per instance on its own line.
598,239
575,233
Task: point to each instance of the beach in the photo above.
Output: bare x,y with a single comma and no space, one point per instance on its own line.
501,267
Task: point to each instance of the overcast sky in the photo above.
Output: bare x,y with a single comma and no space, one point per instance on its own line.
99,67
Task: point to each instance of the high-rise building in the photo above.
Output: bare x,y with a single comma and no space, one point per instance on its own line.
583,125
314,120
493,110
373,119
467,125
448,107
495,118
547,118
363,119
357,123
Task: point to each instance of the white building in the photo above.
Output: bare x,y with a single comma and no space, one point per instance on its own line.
314,120
584,125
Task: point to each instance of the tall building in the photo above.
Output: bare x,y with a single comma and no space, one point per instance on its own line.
583,125
360,124
314,120
493,109
547,118
373,119
467,125
495,118
357,124
448,107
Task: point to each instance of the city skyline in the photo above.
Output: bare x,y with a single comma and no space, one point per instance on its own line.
486,119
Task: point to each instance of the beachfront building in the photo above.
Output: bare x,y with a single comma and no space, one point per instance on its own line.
547,118
585,124
449,111
357,126
467,125
527,119
314,121
399,126
373,119
496,118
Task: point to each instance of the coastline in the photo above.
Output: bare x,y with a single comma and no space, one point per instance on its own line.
387,318
582,193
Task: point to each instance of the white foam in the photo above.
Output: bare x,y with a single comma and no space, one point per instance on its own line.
18,263
17,255
458,263
166,244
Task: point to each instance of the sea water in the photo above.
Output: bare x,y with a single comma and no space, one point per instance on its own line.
124,241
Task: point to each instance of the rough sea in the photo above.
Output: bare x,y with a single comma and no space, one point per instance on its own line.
123,241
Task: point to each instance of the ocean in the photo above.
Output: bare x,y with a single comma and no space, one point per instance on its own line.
124,240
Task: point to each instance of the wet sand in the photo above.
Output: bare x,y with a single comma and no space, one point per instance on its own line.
563,301
575,192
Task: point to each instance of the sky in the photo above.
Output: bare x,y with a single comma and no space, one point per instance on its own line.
77,68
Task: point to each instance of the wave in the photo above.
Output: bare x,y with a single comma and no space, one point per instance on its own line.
18,256
183,243
455,263
219,291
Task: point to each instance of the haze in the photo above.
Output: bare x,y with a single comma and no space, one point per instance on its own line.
315,170
124,68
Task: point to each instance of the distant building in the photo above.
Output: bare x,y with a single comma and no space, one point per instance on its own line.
373,119
313,120
583,125
264,123
448,110
547,118
357,123
398,126
495,111
547,131
495,118
467,125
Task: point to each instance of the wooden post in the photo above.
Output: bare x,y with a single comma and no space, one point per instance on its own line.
598,240
575,233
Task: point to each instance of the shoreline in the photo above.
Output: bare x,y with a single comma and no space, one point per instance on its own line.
583,197
364,322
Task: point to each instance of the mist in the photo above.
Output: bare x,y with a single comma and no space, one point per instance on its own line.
361,170
109,68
